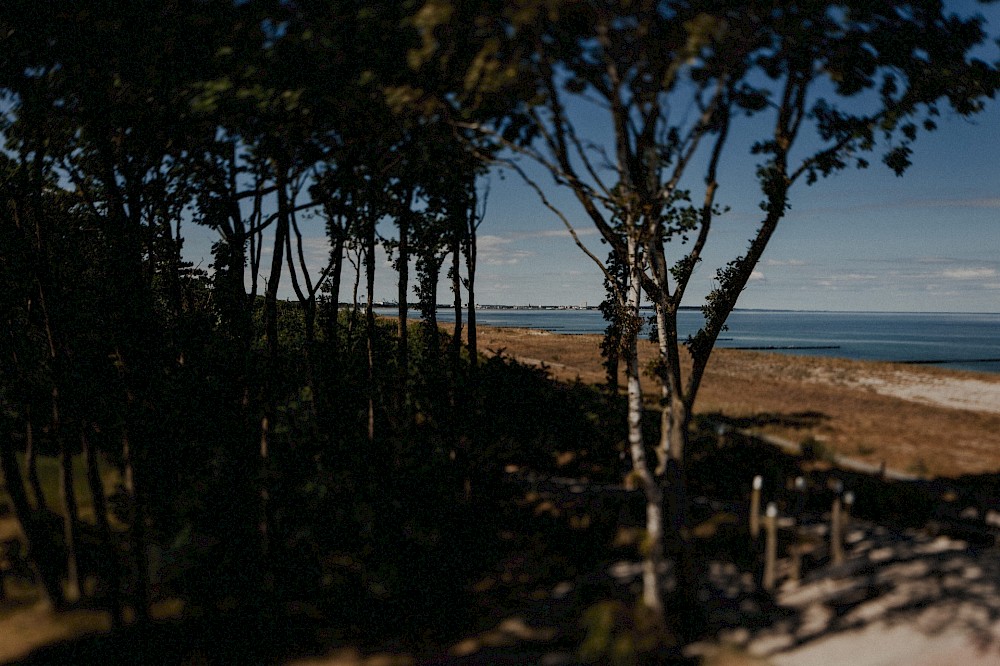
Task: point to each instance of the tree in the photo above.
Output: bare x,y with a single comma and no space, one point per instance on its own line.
851,75
476,214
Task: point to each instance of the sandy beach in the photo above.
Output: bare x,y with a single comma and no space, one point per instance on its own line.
904,596
917,419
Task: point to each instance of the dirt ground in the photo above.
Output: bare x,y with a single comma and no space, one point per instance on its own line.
921,420
917,419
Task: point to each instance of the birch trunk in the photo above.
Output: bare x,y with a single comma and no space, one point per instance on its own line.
456,286
470,269
333,322
663,448
652,588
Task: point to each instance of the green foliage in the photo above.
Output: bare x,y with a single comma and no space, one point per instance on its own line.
623,634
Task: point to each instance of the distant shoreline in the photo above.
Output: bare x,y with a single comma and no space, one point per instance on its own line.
487,307
956,341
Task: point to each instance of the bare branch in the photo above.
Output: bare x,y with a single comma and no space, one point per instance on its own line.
683,276
587,164
692,140
569,226
291,267
558,174
274,216
78,181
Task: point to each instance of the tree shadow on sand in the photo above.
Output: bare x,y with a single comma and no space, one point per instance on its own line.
792,420
557,535
920,561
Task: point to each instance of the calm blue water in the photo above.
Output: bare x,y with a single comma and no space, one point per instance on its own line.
879,336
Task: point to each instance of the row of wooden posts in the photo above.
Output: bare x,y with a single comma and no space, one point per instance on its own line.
840,512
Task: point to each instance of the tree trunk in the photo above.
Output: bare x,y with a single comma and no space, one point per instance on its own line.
456,287
31,463
470,269
70,509
402,296
333,322
432,322
663,449
271,294
675,421
354,301
137,533
309,323
370,319
652,589
236,298
112,562
264,512
41,547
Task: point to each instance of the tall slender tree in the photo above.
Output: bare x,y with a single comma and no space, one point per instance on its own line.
848,73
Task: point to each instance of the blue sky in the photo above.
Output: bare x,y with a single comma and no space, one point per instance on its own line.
861,240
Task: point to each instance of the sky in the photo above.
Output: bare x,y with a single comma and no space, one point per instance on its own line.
859,241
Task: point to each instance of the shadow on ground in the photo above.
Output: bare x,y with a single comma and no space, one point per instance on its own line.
559,538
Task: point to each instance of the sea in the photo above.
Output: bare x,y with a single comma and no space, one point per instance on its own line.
949,340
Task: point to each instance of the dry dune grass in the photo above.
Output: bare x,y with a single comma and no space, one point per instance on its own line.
918,419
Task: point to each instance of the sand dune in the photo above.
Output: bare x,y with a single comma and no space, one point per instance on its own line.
952,392
923,420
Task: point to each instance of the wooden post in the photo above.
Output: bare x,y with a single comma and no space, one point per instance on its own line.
758,482
836,526
845,519
771,546
800,497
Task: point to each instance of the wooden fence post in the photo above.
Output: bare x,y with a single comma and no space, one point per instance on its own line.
836,526
800,497
771,546
846,518
758,482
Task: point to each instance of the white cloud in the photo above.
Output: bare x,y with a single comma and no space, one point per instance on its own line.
984,202
495,251
847,281
784,262
846,278
968,273
756,275
561,233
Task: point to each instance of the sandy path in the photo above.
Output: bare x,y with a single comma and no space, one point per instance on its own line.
902,598
952,392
